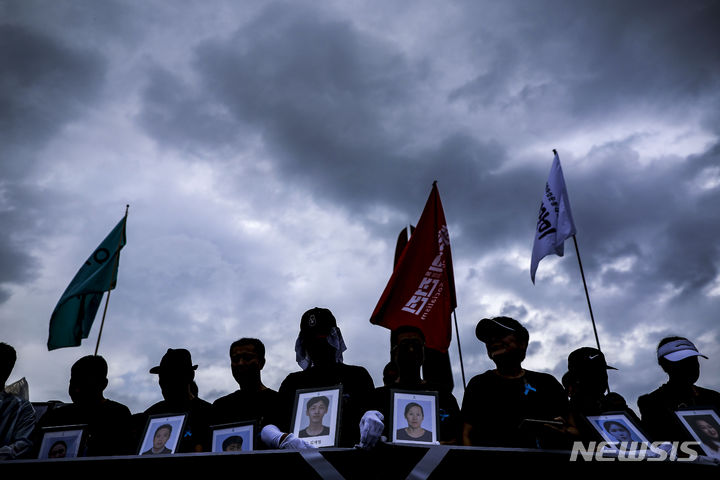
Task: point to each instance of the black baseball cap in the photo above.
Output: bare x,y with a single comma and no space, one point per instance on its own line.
490,327
317,321
587,358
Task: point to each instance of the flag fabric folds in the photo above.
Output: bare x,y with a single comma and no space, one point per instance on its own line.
555,223
421,289
74,313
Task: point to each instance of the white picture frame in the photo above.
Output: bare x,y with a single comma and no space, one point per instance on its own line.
64,441
158,425
414,413
619,431
700,422
233,437
325,428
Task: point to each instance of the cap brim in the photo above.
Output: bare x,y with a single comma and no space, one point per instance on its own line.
158,369
487,328
683,354
608,367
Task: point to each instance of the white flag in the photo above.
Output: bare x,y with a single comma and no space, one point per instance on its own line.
555,223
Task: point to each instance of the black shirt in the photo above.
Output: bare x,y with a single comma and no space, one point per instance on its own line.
495,406
108,426
240,406
657,410
448,410
357,387
196,433
581,408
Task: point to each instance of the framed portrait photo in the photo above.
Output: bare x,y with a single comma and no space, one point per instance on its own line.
316,415
233,437
619,431
162,434
414,417
64,441
704,426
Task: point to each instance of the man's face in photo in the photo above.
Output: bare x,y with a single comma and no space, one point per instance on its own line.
316,412
162,435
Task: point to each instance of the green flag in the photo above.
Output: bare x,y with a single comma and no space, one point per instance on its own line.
74,314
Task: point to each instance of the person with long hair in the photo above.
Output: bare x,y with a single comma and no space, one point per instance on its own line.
708,431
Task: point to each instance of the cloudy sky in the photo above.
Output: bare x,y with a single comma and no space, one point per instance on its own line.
270,153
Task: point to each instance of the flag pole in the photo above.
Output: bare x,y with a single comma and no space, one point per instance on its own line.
587,295
457,335
107,298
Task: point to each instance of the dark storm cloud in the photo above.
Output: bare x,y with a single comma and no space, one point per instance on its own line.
174,113
329,102
323,95
595,59
43,86
654,214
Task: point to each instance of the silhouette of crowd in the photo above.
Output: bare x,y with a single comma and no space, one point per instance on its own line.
508,406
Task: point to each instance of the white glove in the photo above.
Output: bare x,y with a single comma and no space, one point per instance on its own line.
371,428
293,442
273,437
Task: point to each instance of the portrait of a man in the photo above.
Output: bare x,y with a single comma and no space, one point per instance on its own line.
316,409
160,438
232,443
315,415
61,442
233,437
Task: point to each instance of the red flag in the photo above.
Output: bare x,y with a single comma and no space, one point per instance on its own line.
421,290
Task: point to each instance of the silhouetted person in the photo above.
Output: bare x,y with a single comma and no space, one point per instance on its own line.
586,382
175,376
108,422
496,402
390,373
408,354
678,357
17,416
253,401
318,350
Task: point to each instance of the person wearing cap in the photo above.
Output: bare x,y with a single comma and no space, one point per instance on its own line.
586,384
678,357
253,401
319,353
107,420
176,374
407,347
506,406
